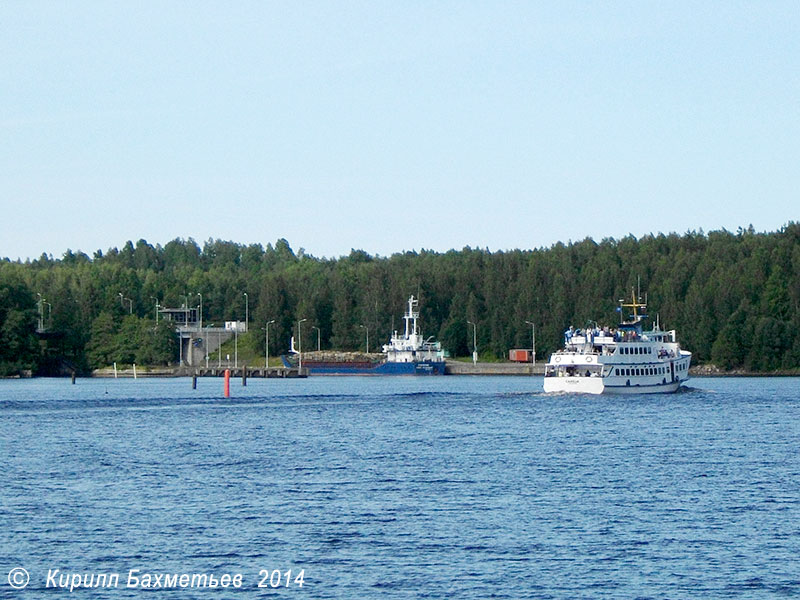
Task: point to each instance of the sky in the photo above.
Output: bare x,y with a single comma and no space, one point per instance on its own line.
393,126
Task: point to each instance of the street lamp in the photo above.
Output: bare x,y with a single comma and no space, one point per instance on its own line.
474,343
157,307
201,309
122,302
299,347
205,341
365,328
266,344
246,312
41,311
318,336
185,309
533,342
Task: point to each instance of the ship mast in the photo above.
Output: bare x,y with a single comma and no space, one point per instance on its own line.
635,304
411,317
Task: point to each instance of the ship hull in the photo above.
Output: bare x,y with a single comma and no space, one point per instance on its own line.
596,385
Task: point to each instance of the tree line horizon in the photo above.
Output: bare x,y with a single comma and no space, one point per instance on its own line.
733,297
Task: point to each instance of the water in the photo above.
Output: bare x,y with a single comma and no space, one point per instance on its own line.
448,487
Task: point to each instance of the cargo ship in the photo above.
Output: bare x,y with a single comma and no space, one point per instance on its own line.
624,360
405,354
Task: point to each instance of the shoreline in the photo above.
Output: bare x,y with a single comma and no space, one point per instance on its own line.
453,368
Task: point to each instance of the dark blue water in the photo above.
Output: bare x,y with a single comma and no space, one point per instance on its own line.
450,487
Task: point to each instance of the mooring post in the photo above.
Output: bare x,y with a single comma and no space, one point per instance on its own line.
244,376
227,383
194,381
73,378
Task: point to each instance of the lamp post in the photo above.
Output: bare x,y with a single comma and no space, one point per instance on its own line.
365,328
122,302
318,337
201,309
533,343
246,312
474,343
266,344
41,311
235,346
157,307
300,347
185,309
205,342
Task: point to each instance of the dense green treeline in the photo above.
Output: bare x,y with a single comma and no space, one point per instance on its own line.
733,297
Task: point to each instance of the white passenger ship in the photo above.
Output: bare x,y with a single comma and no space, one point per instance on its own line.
626,360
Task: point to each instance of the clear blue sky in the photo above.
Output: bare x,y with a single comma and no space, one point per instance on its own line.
391,126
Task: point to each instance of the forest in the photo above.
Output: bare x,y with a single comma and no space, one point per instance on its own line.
733,297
